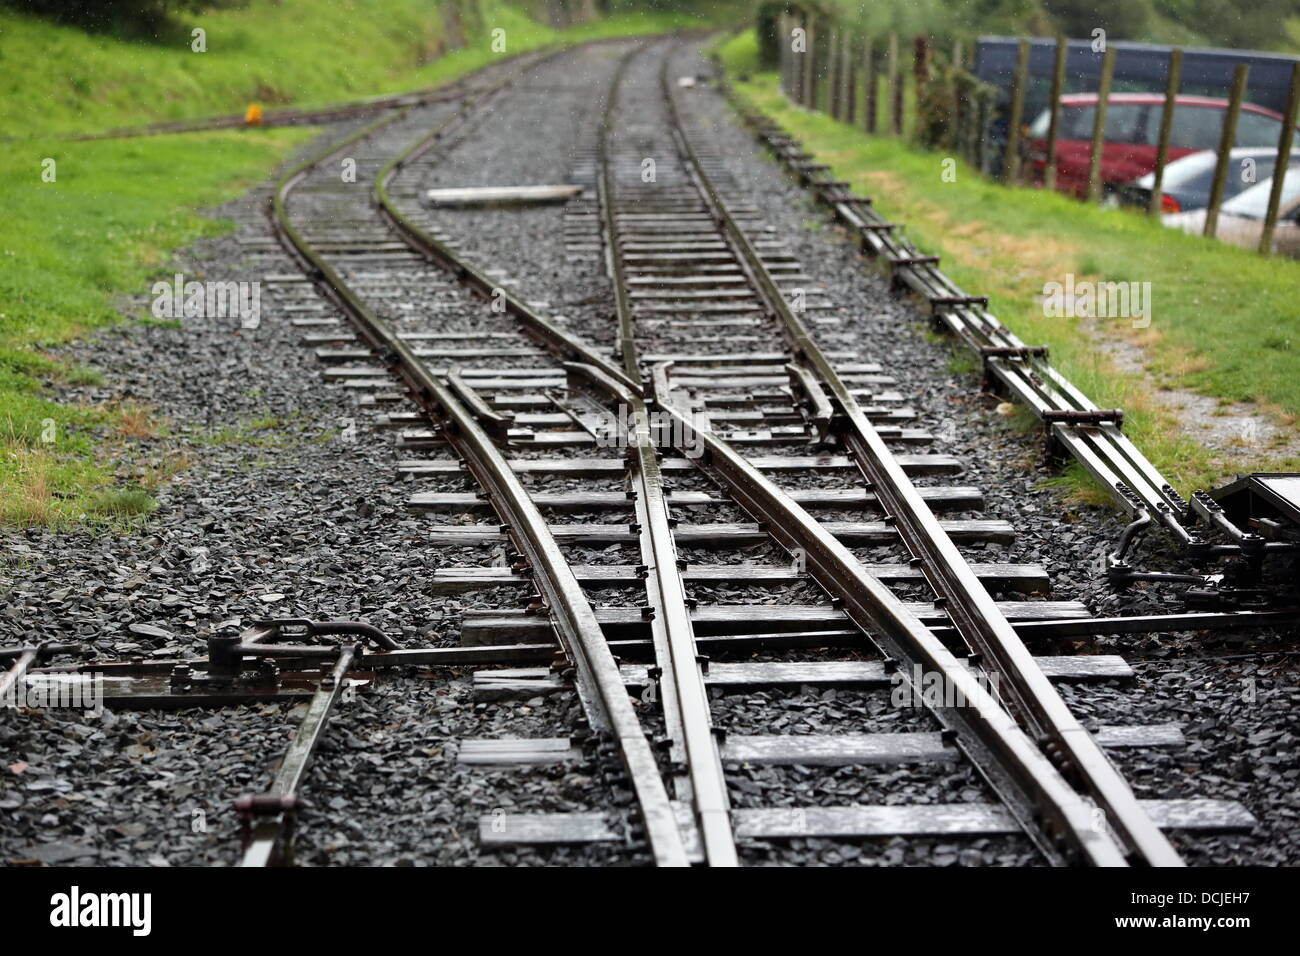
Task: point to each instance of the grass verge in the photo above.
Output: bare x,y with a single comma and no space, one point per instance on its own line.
1224,322
105,226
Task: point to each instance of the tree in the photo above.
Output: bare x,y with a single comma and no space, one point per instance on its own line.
1121,19
104,14
1257,24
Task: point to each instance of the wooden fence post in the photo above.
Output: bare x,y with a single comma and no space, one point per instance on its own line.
846,68
848,73
959,115
920,74
819,67
781,64
1226,137
895,88
1283,160
1166,125
833,74
809,82
1011,161
1099,125
873,88
787,44
1053,127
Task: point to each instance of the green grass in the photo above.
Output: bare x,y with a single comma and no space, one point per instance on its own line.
57,79
1225,322
108,224
122,502
70,248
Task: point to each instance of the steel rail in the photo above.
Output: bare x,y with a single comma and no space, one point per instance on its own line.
614,264
1028,693
1034,792
564,345
683,695
1060,822
599,682
1032,789
270,817
597,677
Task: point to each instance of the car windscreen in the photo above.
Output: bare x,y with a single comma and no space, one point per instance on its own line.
1123,122
1256,129
1195,127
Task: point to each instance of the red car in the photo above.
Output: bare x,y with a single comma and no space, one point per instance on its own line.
1132,128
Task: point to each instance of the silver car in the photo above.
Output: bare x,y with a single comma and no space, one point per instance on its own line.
1241,218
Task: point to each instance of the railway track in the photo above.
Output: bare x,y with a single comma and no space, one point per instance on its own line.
694,275
690,499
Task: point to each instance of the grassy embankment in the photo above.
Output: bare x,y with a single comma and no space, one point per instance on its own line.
1225,322
116,209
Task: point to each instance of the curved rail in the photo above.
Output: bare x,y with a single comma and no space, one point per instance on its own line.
1030,696
564,345
613,253
683,693
601,689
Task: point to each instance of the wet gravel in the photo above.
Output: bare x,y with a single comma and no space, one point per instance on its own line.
286,503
